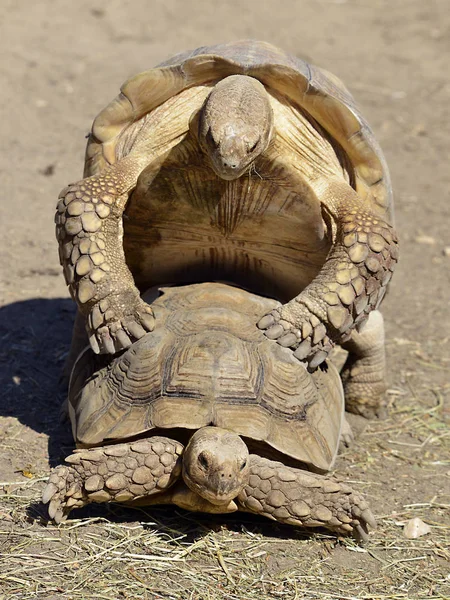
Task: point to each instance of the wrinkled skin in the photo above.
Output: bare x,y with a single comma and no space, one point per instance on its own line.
216,464
235,125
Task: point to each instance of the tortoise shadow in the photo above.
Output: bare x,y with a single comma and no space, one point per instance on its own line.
175,523
35,337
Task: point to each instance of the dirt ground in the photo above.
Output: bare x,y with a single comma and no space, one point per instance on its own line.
62,62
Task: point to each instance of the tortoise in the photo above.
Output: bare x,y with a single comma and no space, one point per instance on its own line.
240,163
208,414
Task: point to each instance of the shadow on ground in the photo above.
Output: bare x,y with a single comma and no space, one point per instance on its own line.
174,522
35,336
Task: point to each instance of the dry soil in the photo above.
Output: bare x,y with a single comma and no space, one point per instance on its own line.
62,61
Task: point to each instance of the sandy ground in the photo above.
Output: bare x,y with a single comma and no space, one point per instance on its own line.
61,63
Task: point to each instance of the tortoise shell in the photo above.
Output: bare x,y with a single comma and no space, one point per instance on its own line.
206,363
319,93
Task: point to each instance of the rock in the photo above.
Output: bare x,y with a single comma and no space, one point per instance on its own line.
425,239
415,528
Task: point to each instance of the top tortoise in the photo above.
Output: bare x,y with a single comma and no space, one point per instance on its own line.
233,162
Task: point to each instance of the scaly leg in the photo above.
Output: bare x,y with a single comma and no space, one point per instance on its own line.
89,226
304,499
351,283
89,231
364,373
119,473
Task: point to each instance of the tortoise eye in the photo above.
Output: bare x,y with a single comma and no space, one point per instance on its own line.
203,460
210,139
253,146
243,465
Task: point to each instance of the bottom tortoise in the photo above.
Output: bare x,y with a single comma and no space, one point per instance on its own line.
206,413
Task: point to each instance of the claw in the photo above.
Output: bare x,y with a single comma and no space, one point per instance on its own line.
71,502
134,329
149,321
266,322
287,340
122,340
53,508
274,332
361,533
303,350
72,490
49,491
317,359
73,459
94,344
369,518
60,516
107,343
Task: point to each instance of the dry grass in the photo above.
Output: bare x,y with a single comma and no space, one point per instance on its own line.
180,557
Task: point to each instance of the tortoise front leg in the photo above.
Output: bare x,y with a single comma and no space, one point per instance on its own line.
118,473
89,231
304,499
351,283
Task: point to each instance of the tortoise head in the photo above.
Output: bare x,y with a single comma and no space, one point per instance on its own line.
216,464
235,125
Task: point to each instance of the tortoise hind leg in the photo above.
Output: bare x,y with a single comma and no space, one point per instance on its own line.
296,497
78,343
89,231
364,373
119,473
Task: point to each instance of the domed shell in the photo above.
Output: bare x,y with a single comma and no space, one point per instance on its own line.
207,364
316,91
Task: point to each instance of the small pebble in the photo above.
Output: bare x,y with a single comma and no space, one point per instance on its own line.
425,239
415,528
